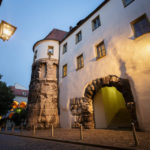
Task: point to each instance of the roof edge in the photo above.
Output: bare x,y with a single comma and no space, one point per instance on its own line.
85,19
40,42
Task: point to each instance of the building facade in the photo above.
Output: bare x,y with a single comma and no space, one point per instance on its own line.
103,69
20,92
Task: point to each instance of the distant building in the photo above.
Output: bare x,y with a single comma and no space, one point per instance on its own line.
20,92
96,73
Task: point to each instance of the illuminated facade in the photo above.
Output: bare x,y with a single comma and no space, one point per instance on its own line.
103,66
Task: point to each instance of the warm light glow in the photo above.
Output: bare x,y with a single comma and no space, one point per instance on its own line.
149,47
22,105
6,30
18,110
10,115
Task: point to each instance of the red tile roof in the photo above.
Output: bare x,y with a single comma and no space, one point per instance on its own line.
56,34
19,92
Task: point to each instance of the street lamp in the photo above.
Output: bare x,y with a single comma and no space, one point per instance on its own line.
6,30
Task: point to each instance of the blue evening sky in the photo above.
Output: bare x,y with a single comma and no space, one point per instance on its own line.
34,19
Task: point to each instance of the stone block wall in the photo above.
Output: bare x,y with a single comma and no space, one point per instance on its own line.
43,95
82,111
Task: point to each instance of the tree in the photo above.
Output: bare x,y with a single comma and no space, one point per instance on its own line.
6,98
19,116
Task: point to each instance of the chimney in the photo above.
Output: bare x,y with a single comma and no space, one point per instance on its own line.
70,28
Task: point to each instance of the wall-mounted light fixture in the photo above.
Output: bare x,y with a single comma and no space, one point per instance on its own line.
6,30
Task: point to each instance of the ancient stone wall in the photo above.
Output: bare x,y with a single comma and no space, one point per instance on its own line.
82,111
82,108
43,94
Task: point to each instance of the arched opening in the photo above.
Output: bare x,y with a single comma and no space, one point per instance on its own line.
116,100
110,109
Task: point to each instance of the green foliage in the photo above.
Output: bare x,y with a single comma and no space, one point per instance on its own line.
6,98
19,116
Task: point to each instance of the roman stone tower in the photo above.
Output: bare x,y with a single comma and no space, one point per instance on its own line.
43,91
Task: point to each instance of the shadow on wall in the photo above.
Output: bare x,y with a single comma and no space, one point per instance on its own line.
123,71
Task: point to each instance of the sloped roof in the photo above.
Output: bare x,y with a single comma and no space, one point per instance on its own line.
56,34
85,19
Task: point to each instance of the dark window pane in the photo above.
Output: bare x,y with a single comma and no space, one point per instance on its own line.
141,26
96,23
127,2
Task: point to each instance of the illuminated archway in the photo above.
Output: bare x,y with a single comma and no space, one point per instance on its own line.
120,84
82,107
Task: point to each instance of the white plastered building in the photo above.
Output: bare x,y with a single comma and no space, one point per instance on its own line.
112,41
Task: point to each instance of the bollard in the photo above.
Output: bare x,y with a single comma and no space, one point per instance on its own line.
21,129
52,130
134,135
81,132
13,128
34,130
6,128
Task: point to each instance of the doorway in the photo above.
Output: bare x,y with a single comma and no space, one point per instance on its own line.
110,109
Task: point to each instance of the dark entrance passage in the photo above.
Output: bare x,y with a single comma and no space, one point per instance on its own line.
110,109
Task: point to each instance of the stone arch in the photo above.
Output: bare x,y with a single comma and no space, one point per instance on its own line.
82,107
121,85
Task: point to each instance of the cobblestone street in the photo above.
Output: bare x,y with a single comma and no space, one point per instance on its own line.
110,138
8,142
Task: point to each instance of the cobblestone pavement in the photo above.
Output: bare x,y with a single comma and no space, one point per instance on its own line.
8,142
113,138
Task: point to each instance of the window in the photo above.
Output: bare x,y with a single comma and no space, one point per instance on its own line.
96,23
24,93
78,37
64,48
50,51
127,2
100,49
80,62
141,26
64,71
35,55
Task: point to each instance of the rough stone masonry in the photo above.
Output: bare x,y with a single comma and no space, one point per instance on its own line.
43,94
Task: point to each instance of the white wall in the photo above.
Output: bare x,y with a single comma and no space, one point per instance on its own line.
18,86
21,99
126,57
42,49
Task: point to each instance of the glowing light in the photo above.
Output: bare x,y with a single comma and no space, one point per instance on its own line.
6,30
18,110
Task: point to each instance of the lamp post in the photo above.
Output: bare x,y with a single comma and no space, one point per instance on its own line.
6,30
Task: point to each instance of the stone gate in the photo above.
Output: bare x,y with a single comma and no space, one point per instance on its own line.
82,108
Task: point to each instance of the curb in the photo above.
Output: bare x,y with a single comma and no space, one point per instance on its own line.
70,142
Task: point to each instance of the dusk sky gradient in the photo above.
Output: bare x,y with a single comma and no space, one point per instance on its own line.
34,19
